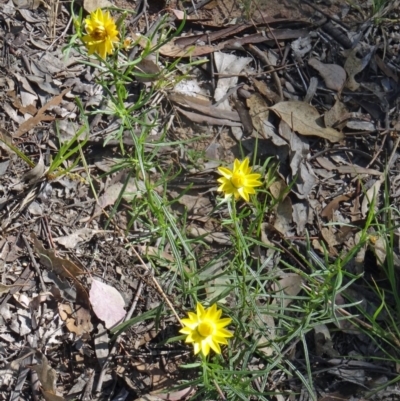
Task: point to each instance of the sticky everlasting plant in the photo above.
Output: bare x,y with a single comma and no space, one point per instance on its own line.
205,329
240,181
102,33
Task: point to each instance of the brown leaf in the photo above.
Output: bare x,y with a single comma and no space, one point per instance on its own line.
278,189
40,116
356,170
264,89
202,119
330,238
63,267
46,374
259,113
76,322
305,119
333,205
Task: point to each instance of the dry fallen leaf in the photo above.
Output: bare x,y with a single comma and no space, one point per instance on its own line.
5,288
334,75
333,205
288,286
378,245
283,220
77,322
330,238
279,189
107,303
171,49
335,114
36,173
305,119
265,321
354,65
47,377
259,113
40,116
81,235
92,5
63,267
203,119
371,196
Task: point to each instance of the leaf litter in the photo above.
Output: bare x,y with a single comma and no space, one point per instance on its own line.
330,145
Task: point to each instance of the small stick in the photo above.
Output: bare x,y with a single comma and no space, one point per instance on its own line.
35,265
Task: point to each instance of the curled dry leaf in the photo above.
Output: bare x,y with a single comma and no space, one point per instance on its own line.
279,189
77,322
47,377
259,113
81,235
305,119
63,267
370,196
36,173
333,205
40,116
378,245
334,75
355,65
335,114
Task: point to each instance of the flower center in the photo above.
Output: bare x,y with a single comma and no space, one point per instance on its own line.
205,329
99,33
238,179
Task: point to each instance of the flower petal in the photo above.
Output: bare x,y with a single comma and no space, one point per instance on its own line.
243,193
225,172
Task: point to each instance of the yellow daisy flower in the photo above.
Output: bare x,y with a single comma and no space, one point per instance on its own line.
239,181
101,33
206,329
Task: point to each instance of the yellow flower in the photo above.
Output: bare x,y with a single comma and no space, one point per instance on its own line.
206,329
239,181
101,33
128,43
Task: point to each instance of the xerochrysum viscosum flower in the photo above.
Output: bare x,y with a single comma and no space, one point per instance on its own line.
102,33
239,182
205,329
